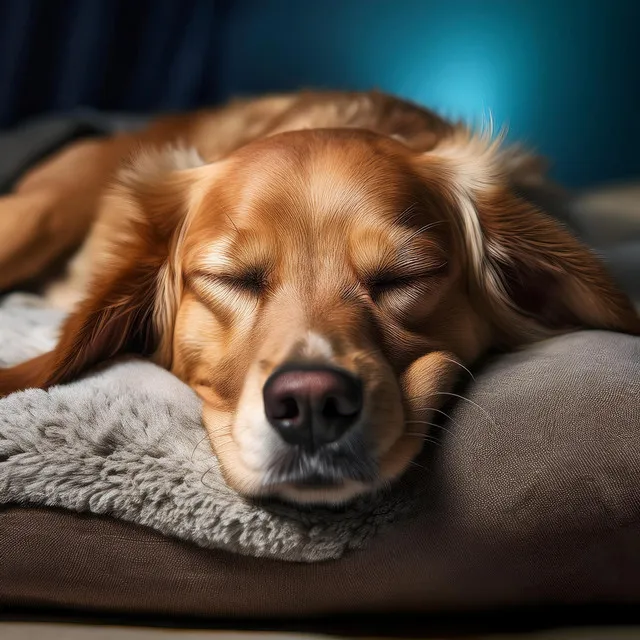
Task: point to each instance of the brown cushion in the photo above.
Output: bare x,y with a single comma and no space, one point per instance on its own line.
531,496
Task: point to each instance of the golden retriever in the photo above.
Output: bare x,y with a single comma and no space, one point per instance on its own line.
318,267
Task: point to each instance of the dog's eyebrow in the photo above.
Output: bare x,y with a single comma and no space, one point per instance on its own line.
404,252
239,253
215,256
406,266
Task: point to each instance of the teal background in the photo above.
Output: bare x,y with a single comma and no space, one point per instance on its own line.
564,76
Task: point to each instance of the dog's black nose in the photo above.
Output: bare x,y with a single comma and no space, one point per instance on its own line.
312,407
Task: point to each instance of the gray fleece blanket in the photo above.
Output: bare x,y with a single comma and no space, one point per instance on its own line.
127,441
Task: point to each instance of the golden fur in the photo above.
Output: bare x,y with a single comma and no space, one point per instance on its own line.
355,230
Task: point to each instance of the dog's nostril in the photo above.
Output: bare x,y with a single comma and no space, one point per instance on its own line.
288,409
330,409
342,406
312,407
339,407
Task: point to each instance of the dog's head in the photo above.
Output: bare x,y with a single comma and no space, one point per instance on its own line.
321,290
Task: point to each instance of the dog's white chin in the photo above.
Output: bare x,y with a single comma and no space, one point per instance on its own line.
335,495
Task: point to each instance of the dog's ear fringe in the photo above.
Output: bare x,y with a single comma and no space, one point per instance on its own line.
148,164
126,310
535,278
113,319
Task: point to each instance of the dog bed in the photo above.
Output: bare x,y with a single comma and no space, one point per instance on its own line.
530,497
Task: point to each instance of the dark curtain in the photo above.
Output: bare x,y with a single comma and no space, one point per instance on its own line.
562,73
124,55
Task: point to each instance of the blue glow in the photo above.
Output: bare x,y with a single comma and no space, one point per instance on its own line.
562,75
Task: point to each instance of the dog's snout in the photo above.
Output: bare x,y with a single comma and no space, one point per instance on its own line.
312,407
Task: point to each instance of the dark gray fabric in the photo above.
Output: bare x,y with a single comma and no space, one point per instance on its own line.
608,219
530,497
24,146
623,262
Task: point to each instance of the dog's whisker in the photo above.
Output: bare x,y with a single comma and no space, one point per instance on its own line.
440,411
424,436
435,425
406,216
489,417
452,361
419,231
471,402
202,477
233,224
197,445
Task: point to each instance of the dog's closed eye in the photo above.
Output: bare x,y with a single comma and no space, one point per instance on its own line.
383,283
253,281
388,282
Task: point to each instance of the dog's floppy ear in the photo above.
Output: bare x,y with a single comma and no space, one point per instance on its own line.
128,304
531,274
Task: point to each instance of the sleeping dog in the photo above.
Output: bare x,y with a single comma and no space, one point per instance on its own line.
318,267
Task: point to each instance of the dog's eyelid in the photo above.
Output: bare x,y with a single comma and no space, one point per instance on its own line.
389,281
405,274
254,280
